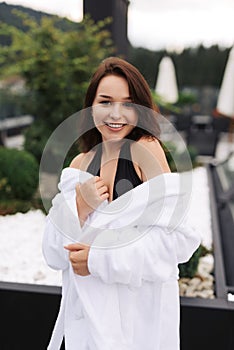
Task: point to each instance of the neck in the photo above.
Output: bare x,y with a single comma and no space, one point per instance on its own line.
111,149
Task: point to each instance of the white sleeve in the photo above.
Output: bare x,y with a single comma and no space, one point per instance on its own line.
62,222
186,240
153,257
62,228
53,249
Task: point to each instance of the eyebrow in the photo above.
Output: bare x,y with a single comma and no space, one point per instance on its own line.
106,96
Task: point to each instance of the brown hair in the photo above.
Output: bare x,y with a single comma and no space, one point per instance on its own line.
140,95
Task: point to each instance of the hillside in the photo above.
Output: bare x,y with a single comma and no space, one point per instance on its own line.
7,16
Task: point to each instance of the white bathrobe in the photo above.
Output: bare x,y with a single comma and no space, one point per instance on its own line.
130,300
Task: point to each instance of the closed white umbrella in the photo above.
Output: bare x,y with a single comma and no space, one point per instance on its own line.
166,85
225,102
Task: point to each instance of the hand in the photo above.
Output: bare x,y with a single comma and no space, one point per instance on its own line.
90,195
78,255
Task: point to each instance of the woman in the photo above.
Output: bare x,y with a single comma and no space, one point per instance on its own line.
120,286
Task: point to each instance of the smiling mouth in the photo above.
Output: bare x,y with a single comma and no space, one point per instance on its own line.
115,125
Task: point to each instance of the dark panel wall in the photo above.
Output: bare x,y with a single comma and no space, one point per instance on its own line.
118,11
27,316
28,313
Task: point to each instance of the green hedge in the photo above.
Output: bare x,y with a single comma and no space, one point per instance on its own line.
189,268
18,174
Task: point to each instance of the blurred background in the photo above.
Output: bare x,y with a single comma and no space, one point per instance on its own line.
48,52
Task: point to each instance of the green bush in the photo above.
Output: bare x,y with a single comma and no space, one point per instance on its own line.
13,206
18,174
36,136
180,161
170,149
189,268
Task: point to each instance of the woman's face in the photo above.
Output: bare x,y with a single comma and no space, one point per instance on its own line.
113,113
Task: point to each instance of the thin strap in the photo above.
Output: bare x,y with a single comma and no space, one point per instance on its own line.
125,152
95,164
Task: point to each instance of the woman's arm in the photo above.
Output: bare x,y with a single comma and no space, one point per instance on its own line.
154,257
53,247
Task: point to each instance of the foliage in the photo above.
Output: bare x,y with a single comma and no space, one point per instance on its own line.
10,104
189,268
13,206
36,137
197,67
147,62
8,16
179,161
170,149
56,66
186,98
163,105
18,174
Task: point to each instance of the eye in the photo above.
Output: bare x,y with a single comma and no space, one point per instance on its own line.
105,103
127,104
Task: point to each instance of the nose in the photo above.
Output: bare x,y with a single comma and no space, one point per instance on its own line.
116,111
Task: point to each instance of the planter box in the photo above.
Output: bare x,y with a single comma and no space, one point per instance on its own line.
209,323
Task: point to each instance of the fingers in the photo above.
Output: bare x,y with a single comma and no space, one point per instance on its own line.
90,194
102,189
104,196
99,182
79,258
73,259
76,246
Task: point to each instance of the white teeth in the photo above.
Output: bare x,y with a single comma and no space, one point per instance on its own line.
115,125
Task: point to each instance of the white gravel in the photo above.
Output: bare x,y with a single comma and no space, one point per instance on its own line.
21,258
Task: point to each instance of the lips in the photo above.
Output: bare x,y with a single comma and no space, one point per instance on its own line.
115,125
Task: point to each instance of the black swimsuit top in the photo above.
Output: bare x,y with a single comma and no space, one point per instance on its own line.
126,177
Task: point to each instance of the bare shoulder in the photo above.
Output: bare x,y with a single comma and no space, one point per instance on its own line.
75,163
82,160
150,156
151,144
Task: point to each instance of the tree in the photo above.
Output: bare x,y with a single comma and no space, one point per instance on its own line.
56,66
195,67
